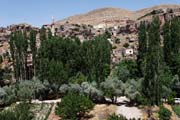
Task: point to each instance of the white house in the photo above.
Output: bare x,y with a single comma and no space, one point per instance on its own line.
129,51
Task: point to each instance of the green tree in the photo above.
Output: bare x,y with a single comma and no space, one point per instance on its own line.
73,106
34,52
91,58
133,89
164,113
153,70
142,40
18,46
56,73
43,35
78,79
175,41
112,88
20,112
167,43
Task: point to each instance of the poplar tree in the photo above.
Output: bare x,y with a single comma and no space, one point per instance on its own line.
153,70
43,34
18,47
142,39
175,42
33,50
167,43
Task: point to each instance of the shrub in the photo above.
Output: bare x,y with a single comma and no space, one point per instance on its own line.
126,45
114,47
20,112
164,113
64,89
141,99
171,97
2,96
122,72
10,96
75,88
78,79
133,89
23,112
91,90
73,106
112,88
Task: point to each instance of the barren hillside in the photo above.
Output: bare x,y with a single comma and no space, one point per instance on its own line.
148,10
98,16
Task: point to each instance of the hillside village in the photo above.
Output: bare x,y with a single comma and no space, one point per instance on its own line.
122,32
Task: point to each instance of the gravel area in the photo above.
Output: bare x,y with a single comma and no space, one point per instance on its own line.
128,112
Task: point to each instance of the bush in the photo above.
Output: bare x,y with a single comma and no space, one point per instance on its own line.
112,88
10,96
133,89
141,99
122,72
91,90
114,47
126,45
171,97
116,117
88,89
73,106
176,109
20,112
78,79
164,113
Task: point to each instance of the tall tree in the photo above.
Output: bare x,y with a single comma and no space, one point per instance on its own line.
91,58
152,81
167,43
33,51
175,42
18,47
43,35
142,39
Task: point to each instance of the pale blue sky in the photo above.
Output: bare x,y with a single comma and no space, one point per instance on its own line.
38,12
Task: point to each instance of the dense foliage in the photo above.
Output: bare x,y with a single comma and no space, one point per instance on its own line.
20,112
73,106
62,58
158,60
112,88
62,65
20,46
164,113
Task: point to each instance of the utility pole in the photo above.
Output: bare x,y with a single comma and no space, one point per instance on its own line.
53,26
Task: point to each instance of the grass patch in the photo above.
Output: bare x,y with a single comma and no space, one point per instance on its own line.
176,109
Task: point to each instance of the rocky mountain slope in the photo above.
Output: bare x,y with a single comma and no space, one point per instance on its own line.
98,16
148,10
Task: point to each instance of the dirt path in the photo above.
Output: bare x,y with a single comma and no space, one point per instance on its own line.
128,112
44,101
102,111
52,115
